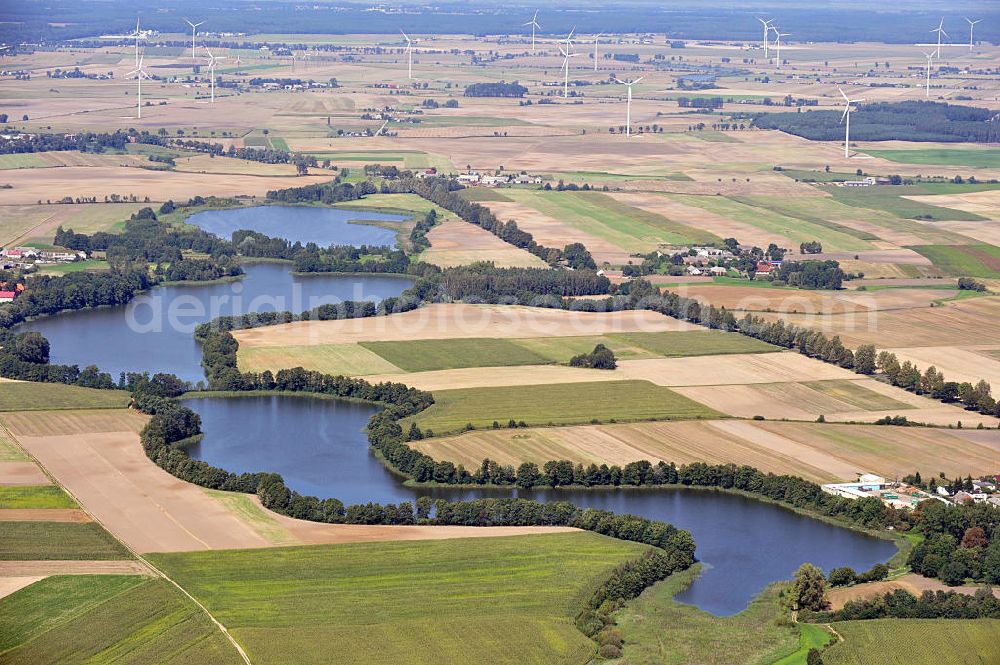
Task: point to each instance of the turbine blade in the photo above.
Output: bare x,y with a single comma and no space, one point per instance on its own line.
847,109
839,89
638,79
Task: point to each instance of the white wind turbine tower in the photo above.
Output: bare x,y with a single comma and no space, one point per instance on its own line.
628,105
847,117
534,24
777,44
139,73
972,24
194,29
597,40
767,30
409,54
212,59
566,56
930,59
940,31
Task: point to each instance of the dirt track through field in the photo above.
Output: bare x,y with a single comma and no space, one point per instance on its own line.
46,568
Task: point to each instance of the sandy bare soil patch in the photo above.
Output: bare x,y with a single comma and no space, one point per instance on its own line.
56,423
9,585
46,568
460,320
43,515
455,243
674,209
743,368
911,582
32,185
22,473
551,232
985,231
895,256
985,203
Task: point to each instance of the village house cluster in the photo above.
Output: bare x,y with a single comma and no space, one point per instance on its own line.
476,179
29,258
902,495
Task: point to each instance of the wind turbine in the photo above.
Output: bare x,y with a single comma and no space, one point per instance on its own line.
940,31
136,34
597,39
767,31
194,29
930,59
212,59
972,24
534,24
409,53
847,117
566,56
628,105
777,44
139,73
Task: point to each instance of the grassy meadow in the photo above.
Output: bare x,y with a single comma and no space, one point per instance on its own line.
35,496
983,158
963,260
556,404
513,598
55,541
893,200
27,396
108,618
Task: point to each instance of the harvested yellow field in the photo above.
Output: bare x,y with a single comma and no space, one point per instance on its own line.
795,301
817,452
457,243
960,323
494,377
985,203
957,364
449,321
732,369
33,185
350,359
67,422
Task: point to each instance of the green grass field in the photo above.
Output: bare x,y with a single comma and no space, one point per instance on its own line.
809,210
482,194
632,229
76,266
105,619
794,228
556,404
497,600
982,158
891,199
279,143
48,541
35,496
347,359
433,354
21,161
963,260
694,343
9,450
660,631
27,396
818,176
856,395
916,642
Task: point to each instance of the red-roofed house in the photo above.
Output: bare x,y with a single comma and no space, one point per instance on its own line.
7,296
764,269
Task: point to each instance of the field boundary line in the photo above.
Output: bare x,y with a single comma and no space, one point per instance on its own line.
139,557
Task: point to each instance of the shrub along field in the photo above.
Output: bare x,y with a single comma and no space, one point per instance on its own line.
509,600
916,642
556,404
108,618
25,396
54,541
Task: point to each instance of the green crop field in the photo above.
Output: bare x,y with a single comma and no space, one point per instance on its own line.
963,260
818,176
27,396
9,450
21,161
661,631
482,194
856,395
76,266
35,496
600,215
982,158
892,200
916,642
432,354
497,600
279,143
347,359
561,349
676,344
556,404
822,212
108,618
957,188
30,541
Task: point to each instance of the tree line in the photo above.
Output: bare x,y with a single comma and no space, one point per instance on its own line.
83,142
901,604
892,121
501,89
